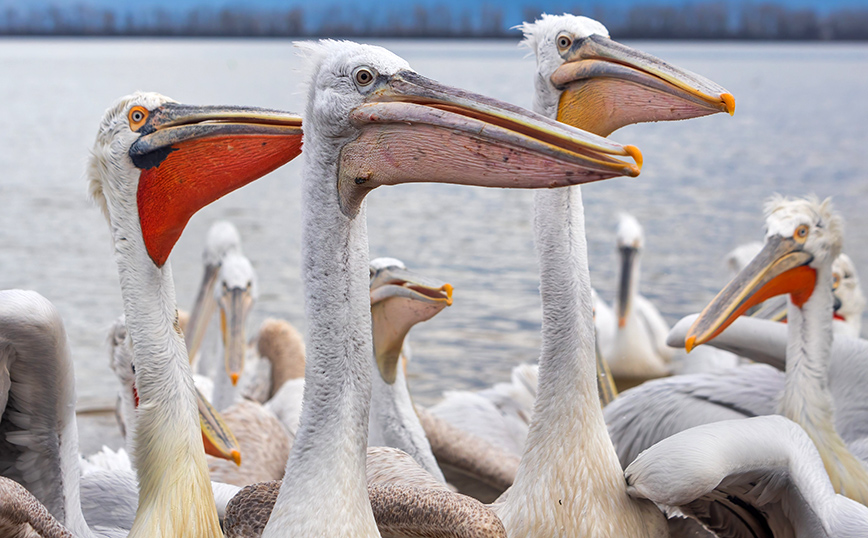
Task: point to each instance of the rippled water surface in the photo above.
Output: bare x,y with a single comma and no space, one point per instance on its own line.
799,128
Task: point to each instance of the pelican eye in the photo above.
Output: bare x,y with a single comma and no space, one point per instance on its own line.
364,76
836,281
801,233
564,42
137,116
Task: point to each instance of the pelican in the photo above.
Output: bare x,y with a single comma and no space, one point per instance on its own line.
765,470
142,177
639,352
803,238
372,121
222,239
850,299
399,300
569,481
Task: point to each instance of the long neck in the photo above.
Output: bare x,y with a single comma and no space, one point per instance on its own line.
175,497
324,491
807,399
394,421
628,284
569,470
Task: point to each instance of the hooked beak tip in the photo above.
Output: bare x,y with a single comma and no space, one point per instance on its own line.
448,289
622,322
729,102
634,152
689,344
234,376
236,457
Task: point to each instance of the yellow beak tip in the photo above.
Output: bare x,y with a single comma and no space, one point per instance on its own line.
689,344
236,457
234,376
729,102
634,152
448,289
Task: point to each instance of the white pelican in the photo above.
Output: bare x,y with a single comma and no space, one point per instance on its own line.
639,351
849,298
371,121
754,477
142,177
149,150
803,238
222,239
569,481
399,300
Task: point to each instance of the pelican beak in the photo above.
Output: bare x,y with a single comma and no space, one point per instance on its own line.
399,300
202,311
413,129
235,305
606,85
625,292
190,156
780,267
216,436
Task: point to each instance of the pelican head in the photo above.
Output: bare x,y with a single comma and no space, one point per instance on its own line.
235,296
586,79
399,300
383,119
223,238
849,299
630,240
803,237
151,149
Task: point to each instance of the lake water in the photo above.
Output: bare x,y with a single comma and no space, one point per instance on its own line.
799,128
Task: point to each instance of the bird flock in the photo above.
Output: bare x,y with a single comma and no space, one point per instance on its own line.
615,432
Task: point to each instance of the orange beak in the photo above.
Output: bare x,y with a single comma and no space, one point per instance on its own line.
780,267
192,156
606,85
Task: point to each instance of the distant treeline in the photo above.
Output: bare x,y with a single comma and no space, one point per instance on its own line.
709,20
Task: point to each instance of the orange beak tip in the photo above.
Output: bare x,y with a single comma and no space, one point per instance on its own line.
622,322
236,457
448,289
634,152
234,376
729,102
689,344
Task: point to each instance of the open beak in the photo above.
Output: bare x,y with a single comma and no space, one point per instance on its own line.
625,292
780,267
606,85
399,300
203,309
235,304
216,436
414,129
190,156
